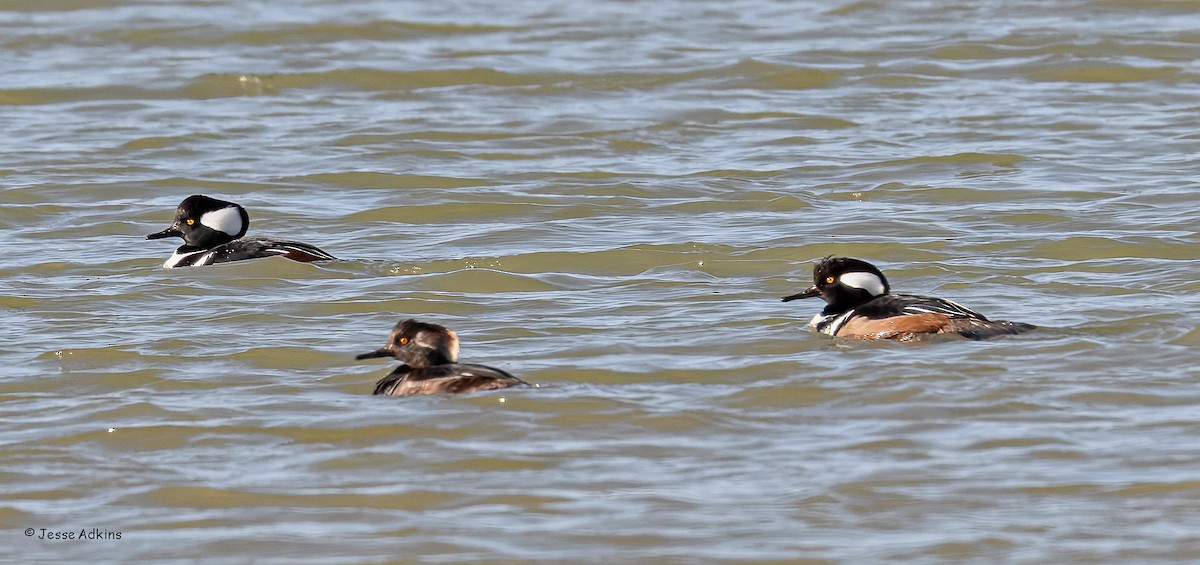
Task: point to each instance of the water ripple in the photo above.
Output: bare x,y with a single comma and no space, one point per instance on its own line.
609,203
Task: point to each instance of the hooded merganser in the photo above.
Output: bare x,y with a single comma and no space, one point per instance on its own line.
211,229
430,356
861,306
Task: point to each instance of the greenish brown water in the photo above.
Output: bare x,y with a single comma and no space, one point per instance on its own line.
606,199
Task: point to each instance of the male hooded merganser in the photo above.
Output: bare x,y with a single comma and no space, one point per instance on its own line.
430,356
861,306
211,229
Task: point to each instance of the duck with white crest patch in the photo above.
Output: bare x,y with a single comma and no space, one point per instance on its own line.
212,232
859,304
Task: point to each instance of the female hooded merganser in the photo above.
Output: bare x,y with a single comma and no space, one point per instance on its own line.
430,356
211,229
861,306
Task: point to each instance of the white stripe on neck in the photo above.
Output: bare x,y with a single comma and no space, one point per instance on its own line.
177,257
866,281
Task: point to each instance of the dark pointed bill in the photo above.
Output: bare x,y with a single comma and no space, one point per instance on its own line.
172,231
377,353
809,293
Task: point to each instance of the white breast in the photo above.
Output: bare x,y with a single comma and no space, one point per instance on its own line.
830,324
177,257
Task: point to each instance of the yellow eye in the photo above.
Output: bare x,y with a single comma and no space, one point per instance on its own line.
189,221
403,341
829,280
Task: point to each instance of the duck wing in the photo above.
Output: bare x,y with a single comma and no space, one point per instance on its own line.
255,248
445,379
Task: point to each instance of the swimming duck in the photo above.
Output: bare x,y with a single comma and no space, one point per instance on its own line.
430,356
212,232
860,304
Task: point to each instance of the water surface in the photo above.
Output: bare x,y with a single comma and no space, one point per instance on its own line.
606,199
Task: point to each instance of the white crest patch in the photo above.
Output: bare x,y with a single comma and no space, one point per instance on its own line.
866,281
448,346
453,346
227,220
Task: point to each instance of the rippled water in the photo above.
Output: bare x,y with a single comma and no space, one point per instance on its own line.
607,199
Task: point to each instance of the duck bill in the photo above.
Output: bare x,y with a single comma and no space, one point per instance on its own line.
383,352
809,293
172,231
